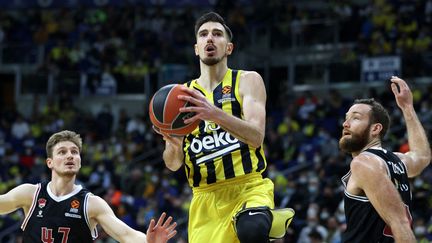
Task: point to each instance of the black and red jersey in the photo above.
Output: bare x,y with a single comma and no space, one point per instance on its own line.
53,219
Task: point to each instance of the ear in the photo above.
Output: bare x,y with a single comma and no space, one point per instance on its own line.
196,50
376,129
49,162
230,48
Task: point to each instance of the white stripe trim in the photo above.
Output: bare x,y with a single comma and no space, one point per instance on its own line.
64,197
344,178
94,232
218,153
355,197
33,206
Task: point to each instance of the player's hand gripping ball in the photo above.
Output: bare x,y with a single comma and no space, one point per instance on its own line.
164,111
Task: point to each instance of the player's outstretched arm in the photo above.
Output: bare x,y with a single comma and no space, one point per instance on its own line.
19,197
101,213
161,231
419,155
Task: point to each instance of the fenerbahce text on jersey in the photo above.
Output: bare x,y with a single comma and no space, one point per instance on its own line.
53,219
211,153
363,222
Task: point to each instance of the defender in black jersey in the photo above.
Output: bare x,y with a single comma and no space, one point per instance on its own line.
377,191
61,211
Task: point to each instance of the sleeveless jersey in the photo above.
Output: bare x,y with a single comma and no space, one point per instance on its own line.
211,153
53,219
363,222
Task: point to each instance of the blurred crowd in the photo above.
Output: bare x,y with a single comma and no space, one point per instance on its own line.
122,161
122,45
122,155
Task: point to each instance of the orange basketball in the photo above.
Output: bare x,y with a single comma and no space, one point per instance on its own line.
164,111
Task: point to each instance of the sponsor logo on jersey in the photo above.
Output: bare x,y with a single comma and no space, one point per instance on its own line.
39,215
71,215
219,142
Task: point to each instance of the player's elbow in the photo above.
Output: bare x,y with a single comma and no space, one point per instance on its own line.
173,166
424,159
257,141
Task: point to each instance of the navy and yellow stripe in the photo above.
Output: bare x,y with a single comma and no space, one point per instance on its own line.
212,154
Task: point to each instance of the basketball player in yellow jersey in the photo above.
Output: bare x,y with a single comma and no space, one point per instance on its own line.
223,157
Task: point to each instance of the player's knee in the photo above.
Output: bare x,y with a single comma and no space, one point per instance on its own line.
253,226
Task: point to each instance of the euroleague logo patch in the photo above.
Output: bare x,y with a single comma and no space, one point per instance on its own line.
226,95
226,89
73,211
75,204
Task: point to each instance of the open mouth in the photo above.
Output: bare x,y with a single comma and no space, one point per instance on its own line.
210,49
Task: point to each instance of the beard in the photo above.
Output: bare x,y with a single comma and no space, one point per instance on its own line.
68,173
356,143
210,61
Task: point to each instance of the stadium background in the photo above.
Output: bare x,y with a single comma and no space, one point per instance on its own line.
91,66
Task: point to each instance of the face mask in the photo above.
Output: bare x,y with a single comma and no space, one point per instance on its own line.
340,217
301,158
324,215
302,179
147,168
419,230
312,223
154,178
418,182
165,183
312,189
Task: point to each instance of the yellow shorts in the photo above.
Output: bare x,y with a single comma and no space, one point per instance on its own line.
212,208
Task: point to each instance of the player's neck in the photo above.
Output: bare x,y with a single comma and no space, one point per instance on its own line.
375,143
211,76
62,185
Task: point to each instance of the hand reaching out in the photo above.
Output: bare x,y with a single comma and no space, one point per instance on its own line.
162,231
403,95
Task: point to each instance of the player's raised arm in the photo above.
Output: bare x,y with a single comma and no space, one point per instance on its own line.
101,213
419,155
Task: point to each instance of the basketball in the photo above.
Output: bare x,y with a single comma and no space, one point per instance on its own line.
164,111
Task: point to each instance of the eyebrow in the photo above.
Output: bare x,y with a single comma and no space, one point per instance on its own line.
206,30
354,113
64,147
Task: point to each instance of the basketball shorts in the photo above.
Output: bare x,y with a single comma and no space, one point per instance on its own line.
212,208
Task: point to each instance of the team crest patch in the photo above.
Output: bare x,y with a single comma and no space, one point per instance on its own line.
42,202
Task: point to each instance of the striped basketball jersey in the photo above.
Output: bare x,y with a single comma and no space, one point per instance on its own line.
363,222
53,219
211,153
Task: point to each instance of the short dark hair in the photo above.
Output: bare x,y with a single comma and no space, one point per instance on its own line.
212,17
378,114
62,136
